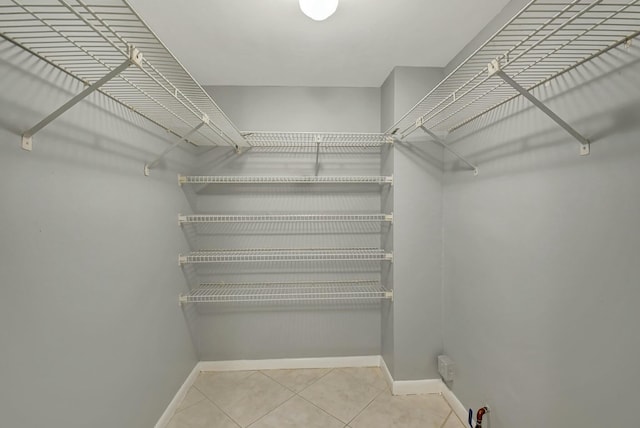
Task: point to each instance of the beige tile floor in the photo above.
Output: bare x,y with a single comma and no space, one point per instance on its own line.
309,398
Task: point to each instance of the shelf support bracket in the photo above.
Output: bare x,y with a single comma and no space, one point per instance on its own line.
318,140
135,57
154,163
441,142
494,68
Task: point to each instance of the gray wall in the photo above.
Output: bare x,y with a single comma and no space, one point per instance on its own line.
259,331
269,108
505,15
387,104
541,256
412,335
91,331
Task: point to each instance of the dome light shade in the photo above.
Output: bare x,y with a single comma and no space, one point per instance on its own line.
318,10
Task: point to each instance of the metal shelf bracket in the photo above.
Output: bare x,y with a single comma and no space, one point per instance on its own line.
154,163
317,139
183,300
389,295
135,57
494,68
441,142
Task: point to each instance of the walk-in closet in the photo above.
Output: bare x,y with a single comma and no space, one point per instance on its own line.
319,213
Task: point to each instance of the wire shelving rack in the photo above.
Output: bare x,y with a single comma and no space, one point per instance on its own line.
313,139
283,218
261,255
545,39
93,40
328,291
292,179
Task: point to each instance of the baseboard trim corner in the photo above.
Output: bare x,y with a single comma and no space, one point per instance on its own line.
455,404
177,399
386,372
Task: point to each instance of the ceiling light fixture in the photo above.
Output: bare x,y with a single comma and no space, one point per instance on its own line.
318,10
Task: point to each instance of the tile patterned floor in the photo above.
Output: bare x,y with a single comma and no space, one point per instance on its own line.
308,398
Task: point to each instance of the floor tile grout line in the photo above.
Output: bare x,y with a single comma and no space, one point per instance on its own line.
323,410
216,405
365,382
356,379
366,406
306,386
454,413
204,397
276,381
220,408
293,394
272,410
447,418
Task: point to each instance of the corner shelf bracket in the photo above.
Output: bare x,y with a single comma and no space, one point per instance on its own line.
442,143
154,163
135,57
495,69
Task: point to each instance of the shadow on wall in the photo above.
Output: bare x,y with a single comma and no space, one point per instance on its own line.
421,151
599,99
96,127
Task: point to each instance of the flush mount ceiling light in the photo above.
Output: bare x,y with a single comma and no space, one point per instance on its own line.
318,10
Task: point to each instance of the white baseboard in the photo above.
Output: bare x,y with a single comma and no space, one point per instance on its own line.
409,387
424,386
458,408
290,363
177,399
387,373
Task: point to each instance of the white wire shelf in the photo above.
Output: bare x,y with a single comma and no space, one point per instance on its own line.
314,139
310,179
287,292
283,218
88,40
285,255
544,40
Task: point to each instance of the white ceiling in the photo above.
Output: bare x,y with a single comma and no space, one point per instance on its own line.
271,43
